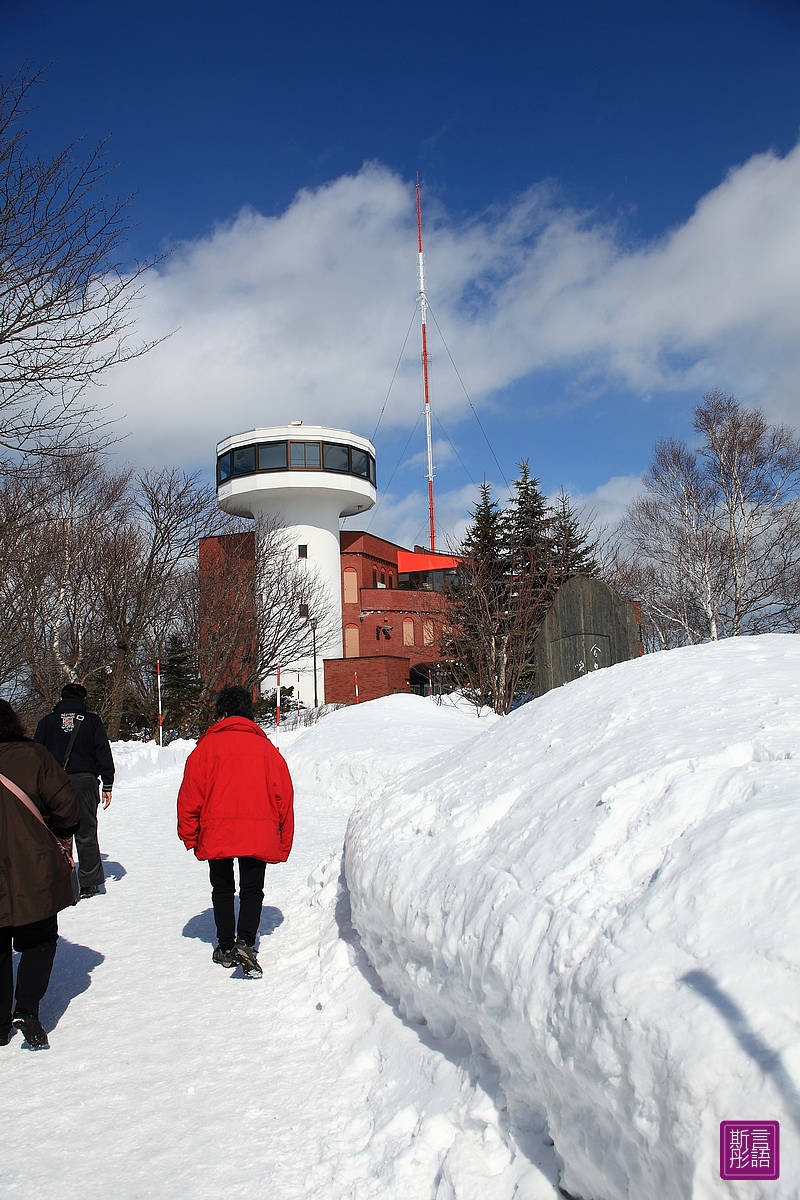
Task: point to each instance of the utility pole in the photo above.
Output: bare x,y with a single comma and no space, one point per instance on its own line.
313,624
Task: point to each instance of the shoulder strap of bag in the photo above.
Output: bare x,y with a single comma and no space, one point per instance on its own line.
26,800
71,742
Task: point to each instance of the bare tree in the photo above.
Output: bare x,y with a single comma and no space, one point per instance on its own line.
65,301
492,629
713,546
99,577
139,573
51,521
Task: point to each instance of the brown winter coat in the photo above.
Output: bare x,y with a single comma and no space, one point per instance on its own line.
35,881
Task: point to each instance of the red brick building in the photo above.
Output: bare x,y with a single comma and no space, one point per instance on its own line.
392,616
392,613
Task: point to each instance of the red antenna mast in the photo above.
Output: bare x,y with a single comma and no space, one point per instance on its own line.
423,308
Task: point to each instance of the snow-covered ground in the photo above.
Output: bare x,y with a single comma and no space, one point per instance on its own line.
579,923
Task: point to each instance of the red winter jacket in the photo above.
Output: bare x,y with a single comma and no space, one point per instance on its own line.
236,797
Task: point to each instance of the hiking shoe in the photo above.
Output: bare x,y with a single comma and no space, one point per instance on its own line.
246,955
225,958
32,1031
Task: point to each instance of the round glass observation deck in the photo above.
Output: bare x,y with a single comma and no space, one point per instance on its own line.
311,474
302,453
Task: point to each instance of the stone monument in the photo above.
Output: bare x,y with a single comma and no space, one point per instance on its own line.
588,627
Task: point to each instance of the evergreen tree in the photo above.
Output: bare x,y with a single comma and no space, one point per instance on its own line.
478,602
527,520
485,538
181,688
504,590
572,548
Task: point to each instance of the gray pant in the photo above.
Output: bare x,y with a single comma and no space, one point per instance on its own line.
90,865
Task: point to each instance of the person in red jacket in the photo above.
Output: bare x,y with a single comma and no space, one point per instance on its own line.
236,801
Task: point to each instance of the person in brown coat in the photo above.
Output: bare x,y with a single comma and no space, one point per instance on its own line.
35,878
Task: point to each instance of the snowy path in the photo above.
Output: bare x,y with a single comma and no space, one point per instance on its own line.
169,1076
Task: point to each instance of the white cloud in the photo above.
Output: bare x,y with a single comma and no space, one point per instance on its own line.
302,315
606,504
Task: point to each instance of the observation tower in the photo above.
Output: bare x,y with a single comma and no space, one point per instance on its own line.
308,476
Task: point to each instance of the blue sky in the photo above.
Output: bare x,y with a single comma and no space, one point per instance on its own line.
609,199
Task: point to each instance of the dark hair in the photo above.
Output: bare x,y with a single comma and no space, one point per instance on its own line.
11,726
235,702
73,691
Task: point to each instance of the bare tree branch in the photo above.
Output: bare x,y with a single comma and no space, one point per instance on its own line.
713,546
66,304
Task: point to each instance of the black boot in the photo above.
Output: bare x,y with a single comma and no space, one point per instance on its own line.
246,955
33,1032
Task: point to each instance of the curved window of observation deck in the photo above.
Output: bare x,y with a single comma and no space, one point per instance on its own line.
267,457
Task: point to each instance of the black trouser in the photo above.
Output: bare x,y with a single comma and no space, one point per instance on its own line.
90,864
37,944
251,897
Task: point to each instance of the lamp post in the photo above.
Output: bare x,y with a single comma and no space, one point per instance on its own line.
313,624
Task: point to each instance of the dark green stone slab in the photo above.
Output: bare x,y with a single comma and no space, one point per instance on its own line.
588,627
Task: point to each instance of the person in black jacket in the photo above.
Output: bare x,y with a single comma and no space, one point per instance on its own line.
78,741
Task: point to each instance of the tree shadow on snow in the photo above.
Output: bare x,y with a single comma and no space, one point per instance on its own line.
72,975
753,1045
112,870
203,928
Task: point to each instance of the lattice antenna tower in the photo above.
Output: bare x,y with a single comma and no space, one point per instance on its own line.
423,308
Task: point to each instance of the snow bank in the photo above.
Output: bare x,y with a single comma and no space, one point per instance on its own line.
598,891
135,760
347,751
354,750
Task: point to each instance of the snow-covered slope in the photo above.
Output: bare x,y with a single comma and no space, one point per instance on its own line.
355,749
602,890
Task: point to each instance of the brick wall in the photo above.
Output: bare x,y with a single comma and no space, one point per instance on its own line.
228,626
376,677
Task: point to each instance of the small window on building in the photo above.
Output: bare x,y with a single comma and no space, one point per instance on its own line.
408,631
427,633
302,551
244,460
272,456
391,581
335,458
383,579
360,464
304,454
350,585
223,467
351,647
303,610
374,579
